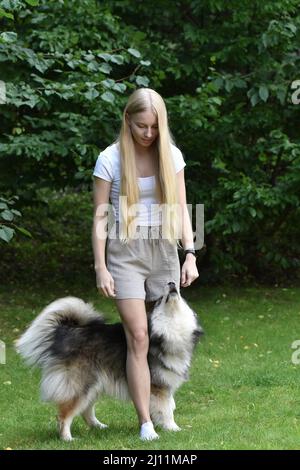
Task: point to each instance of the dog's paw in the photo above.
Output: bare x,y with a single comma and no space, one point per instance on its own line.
97,424
172,427
64,432
67,438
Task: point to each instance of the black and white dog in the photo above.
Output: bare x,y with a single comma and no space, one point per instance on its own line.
82,356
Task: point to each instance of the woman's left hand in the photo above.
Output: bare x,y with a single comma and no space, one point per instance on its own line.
189,271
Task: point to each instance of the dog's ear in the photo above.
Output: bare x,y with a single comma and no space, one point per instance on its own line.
197,334
158,301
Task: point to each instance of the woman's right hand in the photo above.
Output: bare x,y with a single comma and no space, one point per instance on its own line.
105,282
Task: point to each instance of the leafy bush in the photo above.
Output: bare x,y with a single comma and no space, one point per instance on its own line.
7,219
226,71
60,247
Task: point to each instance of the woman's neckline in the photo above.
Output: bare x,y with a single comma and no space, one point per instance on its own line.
145,177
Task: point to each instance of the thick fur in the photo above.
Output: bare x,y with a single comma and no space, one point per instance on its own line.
81,356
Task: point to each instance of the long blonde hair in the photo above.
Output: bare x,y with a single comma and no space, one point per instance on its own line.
141,100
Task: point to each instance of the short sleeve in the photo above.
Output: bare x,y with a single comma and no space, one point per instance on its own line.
103,168
178,159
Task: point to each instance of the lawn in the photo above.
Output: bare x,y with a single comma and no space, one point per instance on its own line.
243,391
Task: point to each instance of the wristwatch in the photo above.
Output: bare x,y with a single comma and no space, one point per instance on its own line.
190,251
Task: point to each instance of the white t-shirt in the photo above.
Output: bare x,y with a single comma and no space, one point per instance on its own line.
108,167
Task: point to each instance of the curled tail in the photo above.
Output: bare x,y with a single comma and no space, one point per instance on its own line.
34,345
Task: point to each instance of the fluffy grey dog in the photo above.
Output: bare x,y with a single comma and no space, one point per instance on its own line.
81,356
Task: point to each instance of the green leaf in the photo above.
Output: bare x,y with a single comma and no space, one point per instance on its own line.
105,68
117,59
218,82
5,14
24,231
239,83
15,212
108,97
292,27
228,85
6,233
121,87
8,37
265,40
93,66
7,215
33,3
236,227
71,64
108,82
142,80
105,56
91,94
89,57
134,52
263,92
254,99
216,100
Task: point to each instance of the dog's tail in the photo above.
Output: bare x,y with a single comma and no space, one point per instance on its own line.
35,345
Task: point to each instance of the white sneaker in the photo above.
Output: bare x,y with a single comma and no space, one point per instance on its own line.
147,432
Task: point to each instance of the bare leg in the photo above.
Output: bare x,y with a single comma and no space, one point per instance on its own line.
90,418
133,314
134,318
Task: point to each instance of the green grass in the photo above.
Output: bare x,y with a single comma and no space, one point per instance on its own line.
243,393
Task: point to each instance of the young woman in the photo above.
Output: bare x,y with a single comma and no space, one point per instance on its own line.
142,170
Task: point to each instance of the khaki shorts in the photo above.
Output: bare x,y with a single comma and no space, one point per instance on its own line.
142,267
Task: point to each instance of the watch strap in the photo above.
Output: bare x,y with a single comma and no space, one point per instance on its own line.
190,251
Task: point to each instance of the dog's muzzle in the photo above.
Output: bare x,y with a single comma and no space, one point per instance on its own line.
172,290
